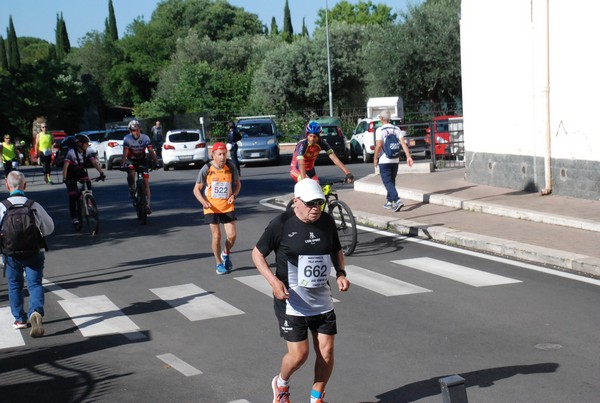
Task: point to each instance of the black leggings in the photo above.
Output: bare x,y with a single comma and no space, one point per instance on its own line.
46,160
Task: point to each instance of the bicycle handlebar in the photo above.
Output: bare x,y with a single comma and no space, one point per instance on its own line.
87,178
136,168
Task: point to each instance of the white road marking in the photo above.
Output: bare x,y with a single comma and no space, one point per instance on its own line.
98,315
380,283
179,365
59,292
259,283
195,303
9,337
463,274
480,255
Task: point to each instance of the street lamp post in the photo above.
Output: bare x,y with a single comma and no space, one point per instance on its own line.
328,59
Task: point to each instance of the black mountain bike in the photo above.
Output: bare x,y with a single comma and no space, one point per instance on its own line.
140,198
342,214
86,208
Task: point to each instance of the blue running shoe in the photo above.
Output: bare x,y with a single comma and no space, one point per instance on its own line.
221,269
227,262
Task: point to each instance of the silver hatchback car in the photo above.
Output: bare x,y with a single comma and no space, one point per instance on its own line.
184,147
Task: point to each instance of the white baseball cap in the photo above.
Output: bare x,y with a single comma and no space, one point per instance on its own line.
308,189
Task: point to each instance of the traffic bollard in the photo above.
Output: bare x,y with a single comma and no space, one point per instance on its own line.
453,389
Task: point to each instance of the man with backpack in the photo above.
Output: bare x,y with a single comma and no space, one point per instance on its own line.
388,140
23,226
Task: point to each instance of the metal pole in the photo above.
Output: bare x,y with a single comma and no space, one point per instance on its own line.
328,59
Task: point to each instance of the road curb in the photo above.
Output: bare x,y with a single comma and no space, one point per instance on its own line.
567,261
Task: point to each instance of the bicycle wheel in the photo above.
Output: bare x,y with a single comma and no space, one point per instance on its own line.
92,217
345,224
141,203
79,213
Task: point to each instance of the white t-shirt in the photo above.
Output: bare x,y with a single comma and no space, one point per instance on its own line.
388,129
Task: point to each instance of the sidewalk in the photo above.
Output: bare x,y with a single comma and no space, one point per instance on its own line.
557,231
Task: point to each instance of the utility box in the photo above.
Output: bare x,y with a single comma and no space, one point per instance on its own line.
377,105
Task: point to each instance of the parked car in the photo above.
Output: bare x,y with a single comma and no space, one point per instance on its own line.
63,146
259,140
95,137
363,140
335,138
184,147
447,134
110,149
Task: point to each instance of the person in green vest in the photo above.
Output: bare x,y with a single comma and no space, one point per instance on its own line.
9,156
43,143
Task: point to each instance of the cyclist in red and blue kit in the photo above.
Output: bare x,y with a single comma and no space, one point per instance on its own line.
306,152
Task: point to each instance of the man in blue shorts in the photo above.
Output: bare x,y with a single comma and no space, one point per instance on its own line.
306,246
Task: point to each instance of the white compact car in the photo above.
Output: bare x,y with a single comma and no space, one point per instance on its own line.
184,147
110,149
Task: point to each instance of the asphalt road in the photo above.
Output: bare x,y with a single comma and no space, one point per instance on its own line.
127,321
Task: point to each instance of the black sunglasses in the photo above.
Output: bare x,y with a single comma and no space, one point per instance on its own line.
313,203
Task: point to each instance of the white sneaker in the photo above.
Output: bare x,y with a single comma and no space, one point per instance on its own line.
37,330
388,205
397,205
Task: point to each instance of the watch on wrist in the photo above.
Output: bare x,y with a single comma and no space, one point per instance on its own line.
340,273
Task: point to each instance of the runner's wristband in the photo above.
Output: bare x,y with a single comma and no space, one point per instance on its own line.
340,273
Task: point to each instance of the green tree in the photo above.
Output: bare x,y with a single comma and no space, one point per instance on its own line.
304,29
274,29
33,50
111,23
3,58
289,80
288,29
14,57
63,45
363,13
422,56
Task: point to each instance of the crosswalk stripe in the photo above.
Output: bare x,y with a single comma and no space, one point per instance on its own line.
259,283
9,338
381,284
463,274
195,303
98,315
178,364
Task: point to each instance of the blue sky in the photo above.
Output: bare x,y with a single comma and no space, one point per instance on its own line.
37,18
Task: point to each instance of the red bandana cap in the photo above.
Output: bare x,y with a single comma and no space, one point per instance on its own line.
219,146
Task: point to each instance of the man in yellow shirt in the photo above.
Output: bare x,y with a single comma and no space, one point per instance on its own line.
43,142
9,156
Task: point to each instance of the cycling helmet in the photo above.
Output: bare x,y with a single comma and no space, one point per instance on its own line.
134,125
82,138
313,128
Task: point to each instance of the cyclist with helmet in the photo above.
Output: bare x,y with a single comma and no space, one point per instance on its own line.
306,152
78,158
135,145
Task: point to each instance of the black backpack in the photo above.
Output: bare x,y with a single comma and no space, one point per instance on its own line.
391,144
19,233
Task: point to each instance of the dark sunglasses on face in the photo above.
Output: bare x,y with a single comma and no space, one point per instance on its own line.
313,203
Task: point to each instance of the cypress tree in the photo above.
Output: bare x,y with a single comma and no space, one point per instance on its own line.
111,26
14,57
304,29
65,36
60,54
274,29
288,30
3,59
